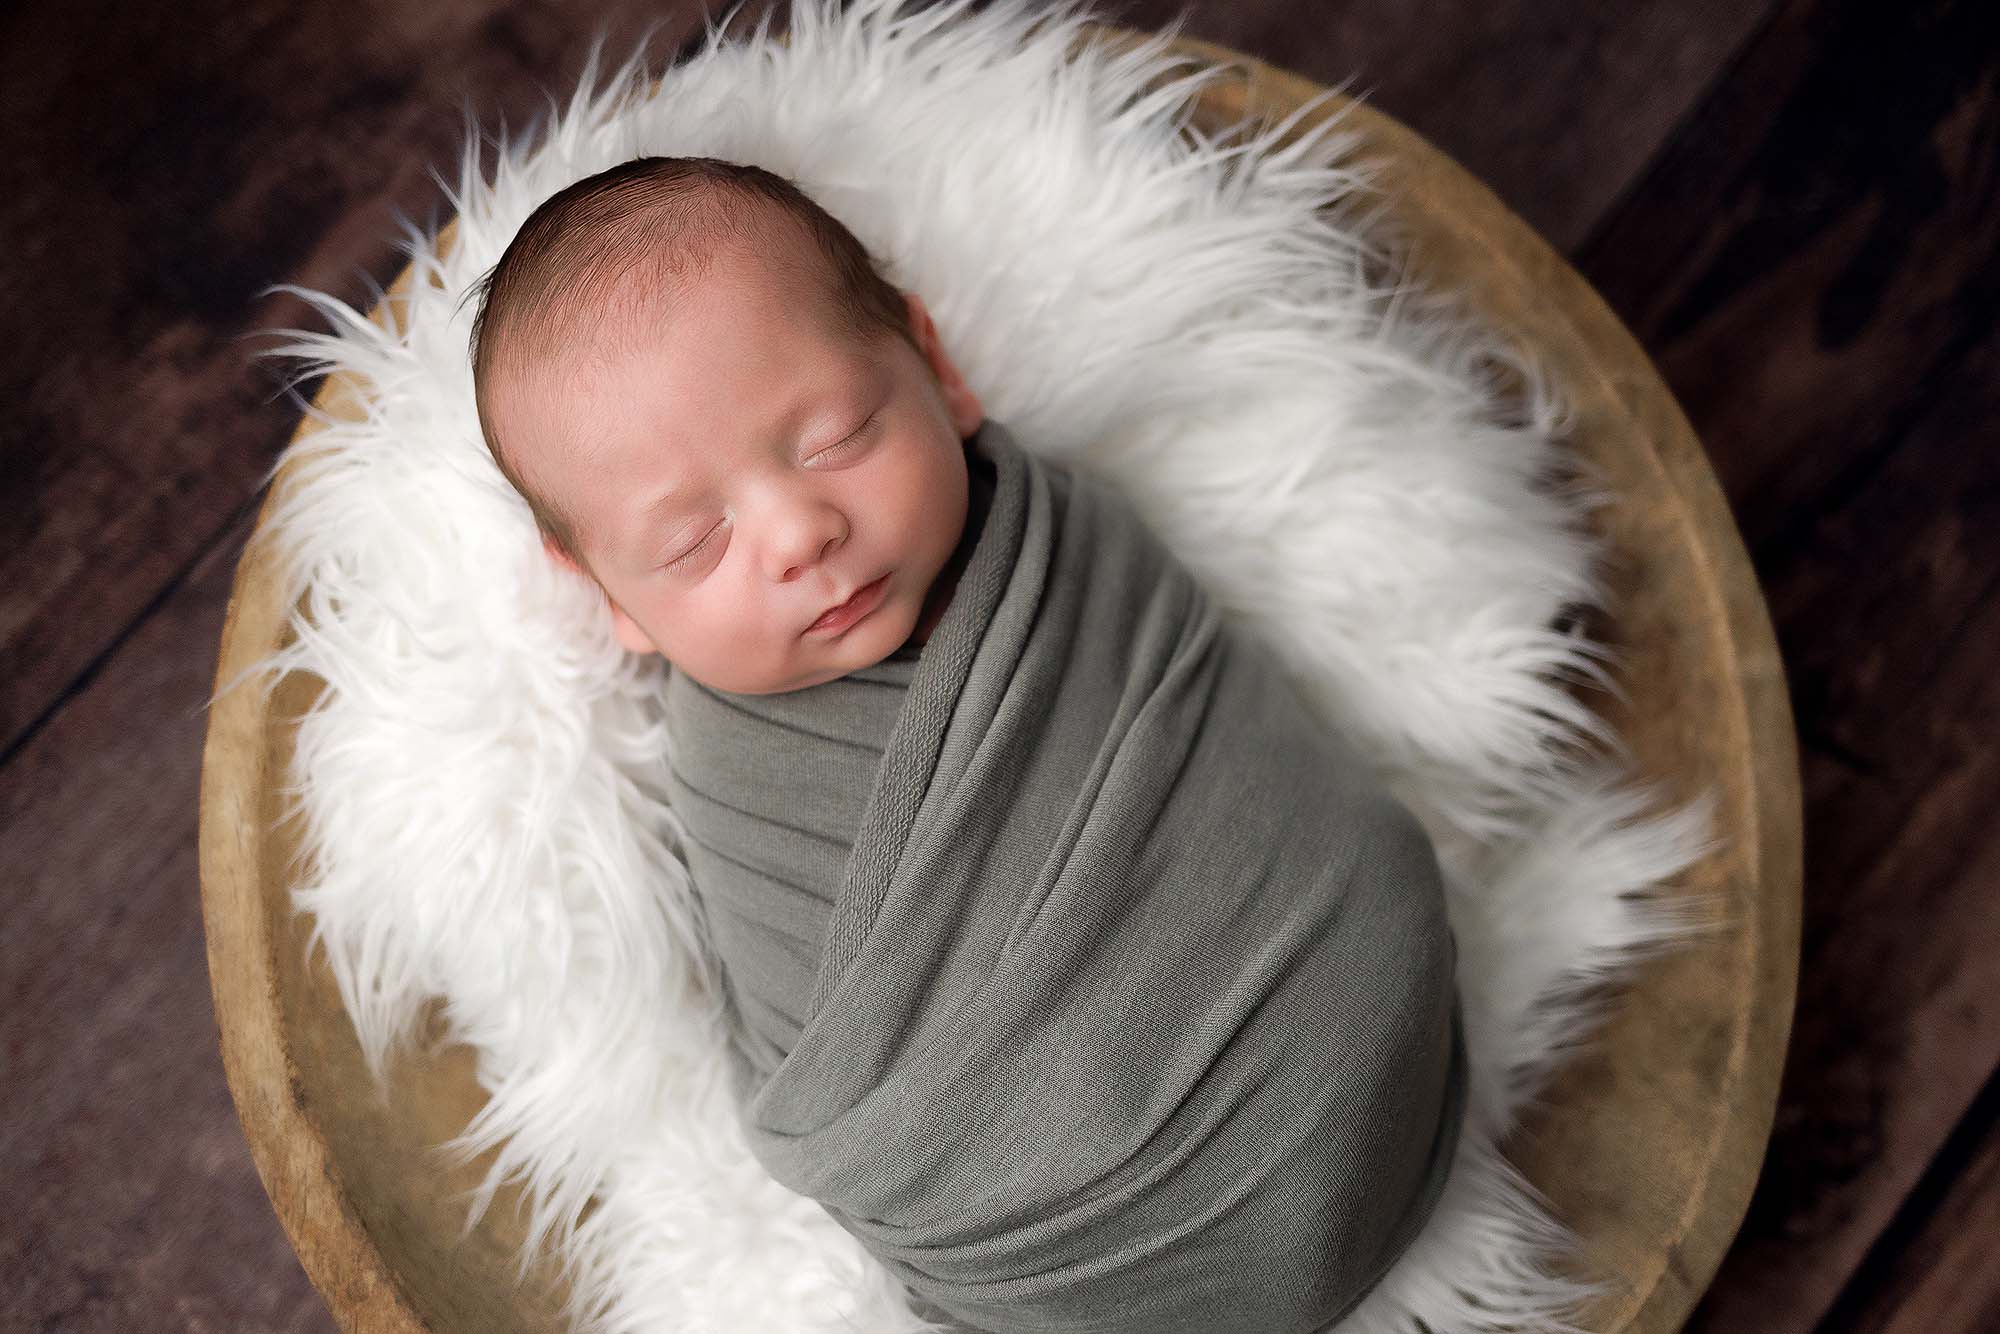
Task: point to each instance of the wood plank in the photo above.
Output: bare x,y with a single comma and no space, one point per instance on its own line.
132,1201
1815,273
1888,611
1933,1269
1821,239
1557,105
239,146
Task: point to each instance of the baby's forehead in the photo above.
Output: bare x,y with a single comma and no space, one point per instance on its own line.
619,297
585,352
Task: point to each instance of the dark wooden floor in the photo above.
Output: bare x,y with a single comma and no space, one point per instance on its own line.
1792,203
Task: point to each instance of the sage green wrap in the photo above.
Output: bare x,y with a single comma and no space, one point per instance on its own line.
1118,996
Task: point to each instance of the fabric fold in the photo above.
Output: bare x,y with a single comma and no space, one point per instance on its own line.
1135,1010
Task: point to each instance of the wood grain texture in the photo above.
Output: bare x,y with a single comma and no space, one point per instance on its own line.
1678,1099
1821,237
1932,1269
130,1204
1816,266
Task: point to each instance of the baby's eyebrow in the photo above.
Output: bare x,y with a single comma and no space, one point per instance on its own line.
632,546
661,501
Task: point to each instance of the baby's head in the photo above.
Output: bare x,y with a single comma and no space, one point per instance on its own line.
719,411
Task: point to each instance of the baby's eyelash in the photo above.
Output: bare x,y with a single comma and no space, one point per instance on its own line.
851,437
692,551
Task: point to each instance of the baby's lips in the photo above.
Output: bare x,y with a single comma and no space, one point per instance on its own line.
858,592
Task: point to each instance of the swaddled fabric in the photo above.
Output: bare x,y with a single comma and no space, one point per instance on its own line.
772,788
1132,1003
766,872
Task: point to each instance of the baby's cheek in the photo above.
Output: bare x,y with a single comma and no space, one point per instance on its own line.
944,502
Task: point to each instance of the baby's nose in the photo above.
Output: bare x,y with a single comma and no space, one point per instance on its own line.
793,571
801,536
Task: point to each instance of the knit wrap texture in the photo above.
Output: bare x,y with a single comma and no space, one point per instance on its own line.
1122,1000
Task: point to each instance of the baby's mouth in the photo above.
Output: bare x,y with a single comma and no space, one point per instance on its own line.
862,601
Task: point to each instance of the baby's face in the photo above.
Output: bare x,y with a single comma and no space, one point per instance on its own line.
736,468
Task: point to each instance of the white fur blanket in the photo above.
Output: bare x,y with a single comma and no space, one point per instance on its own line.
1188,318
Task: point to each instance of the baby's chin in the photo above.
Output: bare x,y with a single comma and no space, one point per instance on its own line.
866,643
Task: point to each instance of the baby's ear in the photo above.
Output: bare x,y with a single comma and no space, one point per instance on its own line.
959,400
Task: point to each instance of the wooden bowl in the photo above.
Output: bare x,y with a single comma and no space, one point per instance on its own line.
1647,1145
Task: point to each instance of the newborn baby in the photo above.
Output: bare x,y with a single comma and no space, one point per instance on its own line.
1075,969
